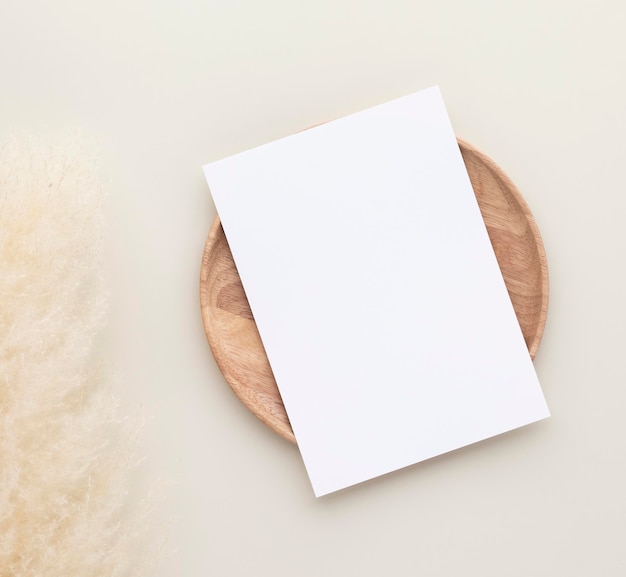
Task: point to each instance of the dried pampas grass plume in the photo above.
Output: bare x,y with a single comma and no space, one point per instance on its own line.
64,458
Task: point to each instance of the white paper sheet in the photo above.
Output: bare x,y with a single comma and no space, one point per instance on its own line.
376,291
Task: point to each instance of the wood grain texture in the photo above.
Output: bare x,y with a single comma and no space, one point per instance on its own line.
233,335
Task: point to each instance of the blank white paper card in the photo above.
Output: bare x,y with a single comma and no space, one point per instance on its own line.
376,291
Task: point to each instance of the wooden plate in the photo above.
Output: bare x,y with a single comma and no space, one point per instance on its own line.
233,335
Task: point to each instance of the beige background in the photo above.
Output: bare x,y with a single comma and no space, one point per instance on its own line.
164,87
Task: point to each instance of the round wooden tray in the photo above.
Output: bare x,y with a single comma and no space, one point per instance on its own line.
233,335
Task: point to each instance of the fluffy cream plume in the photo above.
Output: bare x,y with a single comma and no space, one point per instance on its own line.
64,460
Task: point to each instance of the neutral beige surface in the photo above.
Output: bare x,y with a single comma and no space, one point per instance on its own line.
165,86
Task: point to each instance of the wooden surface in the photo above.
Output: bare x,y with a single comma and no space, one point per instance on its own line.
232,332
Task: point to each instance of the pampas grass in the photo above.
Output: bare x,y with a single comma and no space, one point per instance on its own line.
64,454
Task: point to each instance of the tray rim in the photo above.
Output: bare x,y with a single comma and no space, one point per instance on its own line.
532,223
